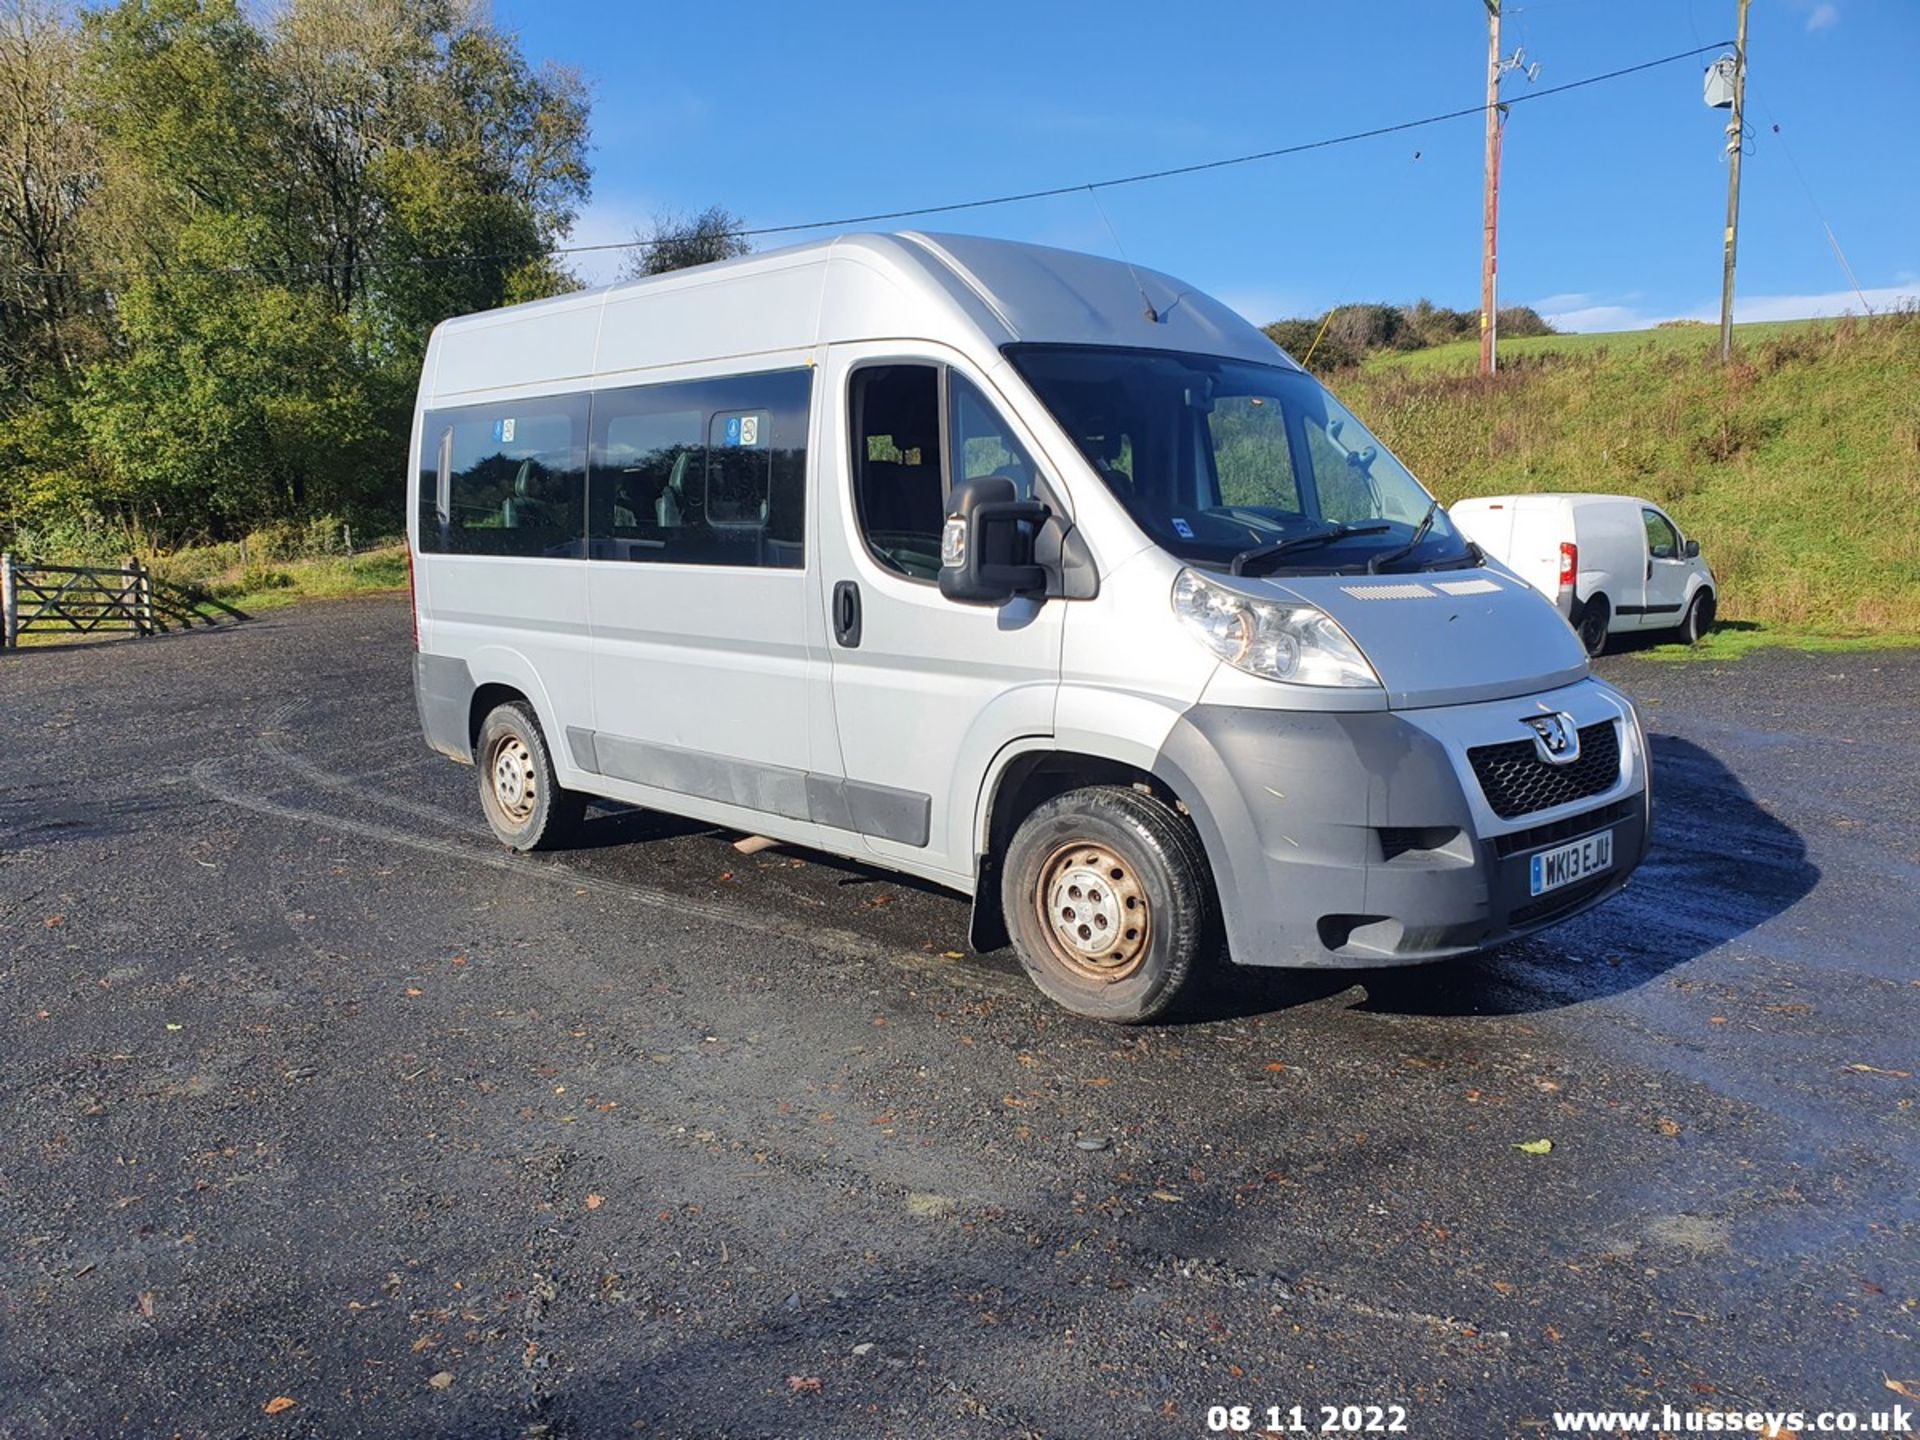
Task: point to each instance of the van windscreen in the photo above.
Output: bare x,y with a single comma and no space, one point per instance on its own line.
1218,458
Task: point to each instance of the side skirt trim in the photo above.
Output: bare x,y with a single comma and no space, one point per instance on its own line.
881,811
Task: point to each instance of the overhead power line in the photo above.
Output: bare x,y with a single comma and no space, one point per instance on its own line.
986,202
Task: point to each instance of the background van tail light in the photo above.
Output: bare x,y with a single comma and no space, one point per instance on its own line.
1569,564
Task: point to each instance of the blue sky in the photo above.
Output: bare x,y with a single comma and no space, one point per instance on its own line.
1612,201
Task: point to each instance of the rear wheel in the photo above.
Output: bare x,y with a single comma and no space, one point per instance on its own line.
1595,616
1699,618
1109,902
523,801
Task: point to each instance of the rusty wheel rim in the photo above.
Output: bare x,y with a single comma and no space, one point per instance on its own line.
1093,911
511,772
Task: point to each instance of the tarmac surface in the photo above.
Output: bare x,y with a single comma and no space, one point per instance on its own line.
311,1093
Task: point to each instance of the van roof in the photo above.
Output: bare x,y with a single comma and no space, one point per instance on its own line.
969,291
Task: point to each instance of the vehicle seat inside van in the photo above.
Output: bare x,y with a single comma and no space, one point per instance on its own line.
520,508
670,510
901,499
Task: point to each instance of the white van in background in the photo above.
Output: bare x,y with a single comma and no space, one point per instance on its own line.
1611,563
1034,575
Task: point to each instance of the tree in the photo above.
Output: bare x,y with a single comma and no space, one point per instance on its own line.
49,169
674,243
225,232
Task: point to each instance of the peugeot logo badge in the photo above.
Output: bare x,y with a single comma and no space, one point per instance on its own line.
1556,739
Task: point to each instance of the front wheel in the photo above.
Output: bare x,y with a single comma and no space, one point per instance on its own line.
1595,616
1699,619
523,801
1109,902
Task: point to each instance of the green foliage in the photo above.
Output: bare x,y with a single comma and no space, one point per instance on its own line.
1347,334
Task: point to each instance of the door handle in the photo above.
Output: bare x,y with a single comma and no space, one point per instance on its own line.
846,613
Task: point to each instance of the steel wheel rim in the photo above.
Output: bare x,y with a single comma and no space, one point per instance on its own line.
1093,911
515,782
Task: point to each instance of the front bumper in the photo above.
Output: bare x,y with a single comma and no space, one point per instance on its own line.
1366,839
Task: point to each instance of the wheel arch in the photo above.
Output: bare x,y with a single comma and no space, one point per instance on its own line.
1023,777
501,676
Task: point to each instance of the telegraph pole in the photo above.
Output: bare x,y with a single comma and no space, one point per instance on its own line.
1736,142
1488,314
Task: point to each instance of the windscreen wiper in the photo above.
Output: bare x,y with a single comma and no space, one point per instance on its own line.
1243,563
1380,562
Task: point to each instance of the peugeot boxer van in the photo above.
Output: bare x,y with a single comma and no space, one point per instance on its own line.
1017,570
1610,563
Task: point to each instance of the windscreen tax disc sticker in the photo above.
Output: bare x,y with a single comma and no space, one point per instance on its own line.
1182,528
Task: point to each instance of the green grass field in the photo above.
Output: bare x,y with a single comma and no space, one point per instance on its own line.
1797,467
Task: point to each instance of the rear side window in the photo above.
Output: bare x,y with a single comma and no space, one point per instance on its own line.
705,472
505,479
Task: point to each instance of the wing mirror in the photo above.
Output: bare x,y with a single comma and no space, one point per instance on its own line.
1692,549
986,546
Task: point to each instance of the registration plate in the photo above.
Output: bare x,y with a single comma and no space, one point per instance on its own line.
1573,862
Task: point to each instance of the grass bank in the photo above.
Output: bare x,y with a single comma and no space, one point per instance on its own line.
252,586
1797,466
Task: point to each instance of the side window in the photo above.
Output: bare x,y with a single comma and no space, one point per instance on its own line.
707,472
980,441
1251,454
1662,542
899,491
646,475
514,480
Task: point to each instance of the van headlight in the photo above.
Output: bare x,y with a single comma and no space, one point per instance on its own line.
1295,643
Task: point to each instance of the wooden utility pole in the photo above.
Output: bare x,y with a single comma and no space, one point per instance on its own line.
1736,143
1489,315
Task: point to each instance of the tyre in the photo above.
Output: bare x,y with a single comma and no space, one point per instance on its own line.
1595,615
1109,901
1699,619
523,801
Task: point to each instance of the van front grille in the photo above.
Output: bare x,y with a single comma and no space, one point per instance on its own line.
1516,781
1556,831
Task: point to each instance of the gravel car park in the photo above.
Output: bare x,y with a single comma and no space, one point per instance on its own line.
324,1114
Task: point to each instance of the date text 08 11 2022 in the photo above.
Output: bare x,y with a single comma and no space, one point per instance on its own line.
1309,1419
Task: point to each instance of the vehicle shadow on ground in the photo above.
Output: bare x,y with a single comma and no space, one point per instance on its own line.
1721,866
609,823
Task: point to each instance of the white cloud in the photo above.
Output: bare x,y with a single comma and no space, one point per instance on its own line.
1822,17
605,221
1263,307
1591,313
1833,302
1598,317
